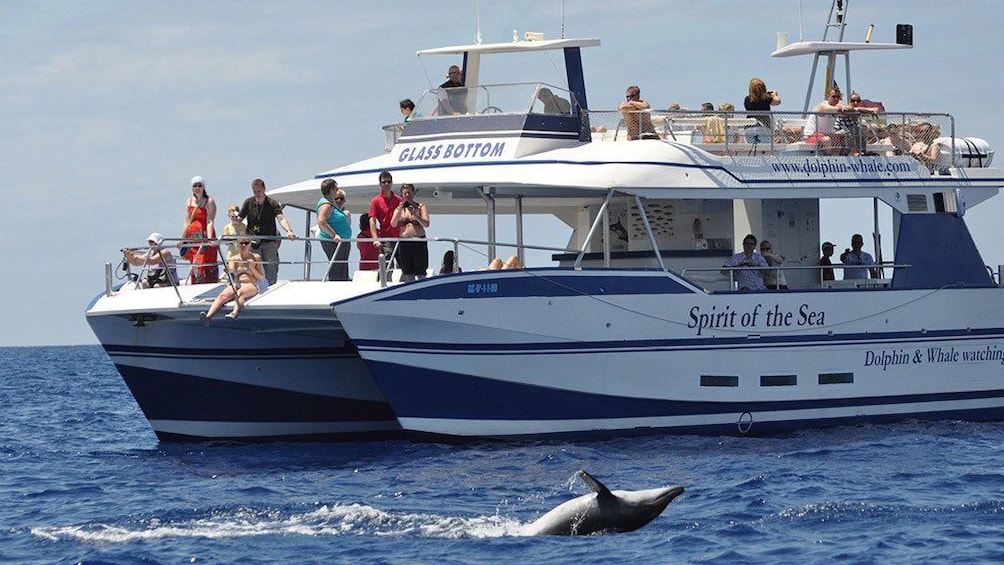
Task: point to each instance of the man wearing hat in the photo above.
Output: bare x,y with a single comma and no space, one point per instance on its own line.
162,270
827,274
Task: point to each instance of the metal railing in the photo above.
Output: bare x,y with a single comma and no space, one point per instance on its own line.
729,273
506,98
762,132
385,271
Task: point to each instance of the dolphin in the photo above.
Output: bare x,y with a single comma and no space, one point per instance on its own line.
603,511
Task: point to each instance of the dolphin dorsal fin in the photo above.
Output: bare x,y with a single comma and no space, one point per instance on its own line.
595,484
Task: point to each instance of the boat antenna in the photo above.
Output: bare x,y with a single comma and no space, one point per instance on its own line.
478,38
562,34
801,34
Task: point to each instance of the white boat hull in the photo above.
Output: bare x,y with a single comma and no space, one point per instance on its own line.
564,353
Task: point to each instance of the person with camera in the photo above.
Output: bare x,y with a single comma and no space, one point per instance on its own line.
751,278
412,218
861,262
161,268
760,100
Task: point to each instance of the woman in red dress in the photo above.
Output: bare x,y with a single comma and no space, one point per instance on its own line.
199,219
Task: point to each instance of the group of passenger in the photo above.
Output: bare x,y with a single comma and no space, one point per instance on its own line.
752,271
250,263
832,126
638,120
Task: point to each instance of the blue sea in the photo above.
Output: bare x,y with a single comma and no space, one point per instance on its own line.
84,480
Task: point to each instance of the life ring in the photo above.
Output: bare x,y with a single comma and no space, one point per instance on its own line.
745,422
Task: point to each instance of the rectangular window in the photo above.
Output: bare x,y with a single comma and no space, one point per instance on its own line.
719,380
916,202
836,378
778,380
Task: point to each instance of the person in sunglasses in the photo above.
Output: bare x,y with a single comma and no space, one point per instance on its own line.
333,226
233,230
162,269
452,94
197,233
245,271
821,125
636,115
381,212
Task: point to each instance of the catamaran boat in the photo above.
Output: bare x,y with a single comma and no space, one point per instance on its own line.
633,326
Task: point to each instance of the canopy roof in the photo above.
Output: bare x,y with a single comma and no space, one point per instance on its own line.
513,47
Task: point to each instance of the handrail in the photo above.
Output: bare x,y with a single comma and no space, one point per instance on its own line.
738,131
500,98
782,268
384,266
383,272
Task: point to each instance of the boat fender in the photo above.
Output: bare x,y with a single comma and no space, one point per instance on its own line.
970,152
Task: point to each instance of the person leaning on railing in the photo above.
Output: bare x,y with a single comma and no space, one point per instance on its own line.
636,116
160,263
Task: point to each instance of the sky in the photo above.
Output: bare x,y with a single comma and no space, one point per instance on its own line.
108,108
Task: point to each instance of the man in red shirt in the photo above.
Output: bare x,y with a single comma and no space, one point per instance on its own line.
381,211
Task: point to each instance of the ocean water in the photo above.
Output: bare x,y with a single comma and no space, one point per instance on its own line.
83,479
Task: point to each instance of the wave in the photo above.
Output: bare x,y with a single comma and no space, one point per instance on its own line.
337,519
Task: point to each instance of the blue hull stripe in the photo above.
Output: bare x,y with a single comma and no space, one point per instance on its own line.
484,285
877,340
756,429
165,395
421,393
232,353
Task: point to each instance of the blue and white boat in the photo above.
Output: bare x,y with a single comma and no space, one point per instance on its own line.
647,337
284,371
638,329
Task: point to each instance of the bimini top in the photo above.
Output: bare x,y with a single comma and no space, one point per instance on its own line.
513,47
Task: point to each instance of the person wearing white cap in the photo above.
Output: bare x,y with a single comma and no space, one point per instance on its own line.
199,228
162,270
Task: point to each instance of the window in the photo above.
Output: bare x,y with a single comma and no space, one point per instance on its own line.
836,378
778,380
916,202
719,380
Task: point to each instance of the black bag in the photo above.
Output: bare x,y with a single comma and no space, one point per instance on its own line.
157,277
